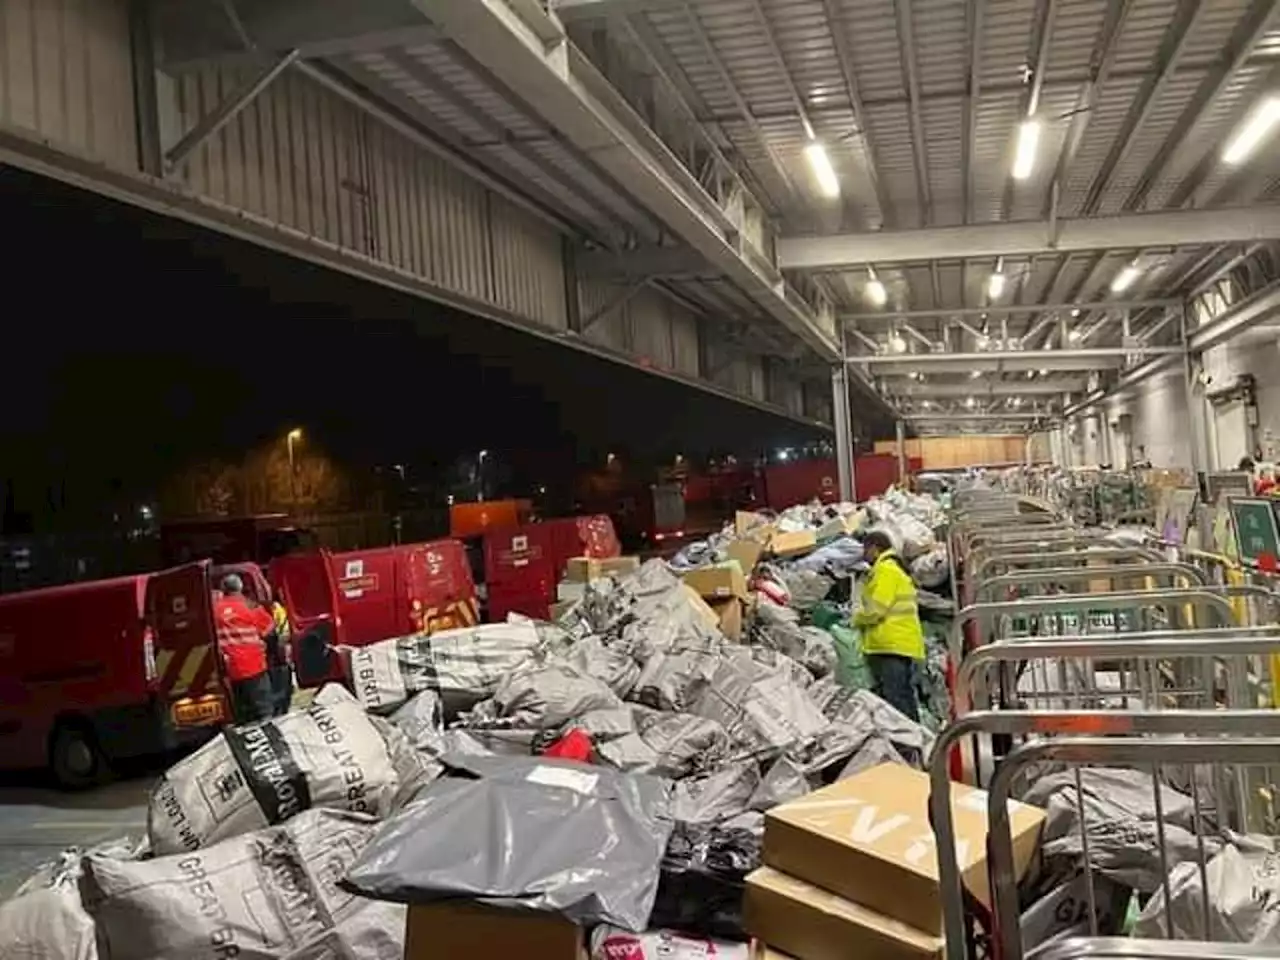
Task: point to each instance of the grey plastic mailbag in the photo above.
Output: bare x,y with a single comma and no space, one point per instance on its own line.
530,833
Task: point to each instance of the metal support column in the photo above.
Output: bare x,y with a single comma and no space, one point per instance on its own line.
1195,402
840,417
1106,451
900,435
145,100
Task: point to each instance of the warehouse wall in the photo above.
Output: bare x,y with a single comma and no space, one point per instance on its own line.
1259,357
1159,420
65,75
303,159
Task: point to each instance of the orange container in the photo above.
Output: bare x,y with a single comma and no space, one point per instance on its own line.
476,519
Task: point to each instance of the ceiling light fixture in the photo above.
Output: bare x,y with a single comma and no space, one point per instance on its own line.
1028,140
975,374
970,403
1075,312
823,171
1075,336
1125,278
875,292
897,344
1260,123
995,285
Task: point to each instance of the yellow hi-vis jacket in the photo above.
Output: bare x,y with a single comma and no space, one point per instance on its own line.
888,616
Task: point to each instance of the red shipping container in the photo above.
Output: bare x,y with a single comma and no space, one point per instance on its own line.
396,591
787,484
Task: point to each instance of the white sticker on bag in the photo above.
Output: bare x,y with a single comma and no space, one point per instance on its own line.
574,780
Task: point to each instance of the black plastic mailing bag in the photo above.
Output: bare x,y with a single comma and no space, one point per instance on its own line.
530,833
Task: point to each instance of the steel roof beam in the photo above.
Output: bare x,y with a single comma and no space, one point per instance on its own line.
975,13
1249,32
1262,307
906,38
571,96
1172,45
992,417
744,108
998,388
994,358
1104,55
835,23
1166,229
945,313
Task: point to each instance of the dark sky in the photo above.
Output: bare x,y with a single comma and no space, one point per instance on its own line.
134,343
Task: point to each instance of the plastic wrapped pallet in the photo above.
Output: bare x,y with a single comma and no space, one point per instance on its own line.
331,755
463,666
584,842
268,895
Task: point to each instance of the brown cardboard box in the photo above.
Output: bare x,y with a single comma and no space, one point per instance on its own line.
453,929
792,544
560,608
808,922
730,614
868,839
746,552
719,582
694,599
586,569
745,521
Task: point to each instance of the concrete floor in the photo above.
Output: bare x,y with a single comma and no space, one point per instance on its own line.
37,822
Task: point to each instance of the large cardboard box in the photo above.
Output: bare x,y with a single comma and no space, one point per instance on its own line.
719,582
586,569
809,922
453,929
868,839
747,552
793,544
730,613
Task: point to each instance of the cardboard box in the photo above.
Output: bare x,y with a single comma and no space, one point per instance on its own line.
868,839
701,607
560,608
808,922
586,569
568,591
745,521
719,582
453,929
746,552
793,544
730,615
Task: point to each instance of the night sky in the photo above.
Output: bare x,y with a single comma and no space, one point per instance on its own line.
135,344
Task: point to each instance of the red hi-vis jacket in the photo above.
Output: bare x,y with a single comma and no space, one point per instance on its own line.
241,632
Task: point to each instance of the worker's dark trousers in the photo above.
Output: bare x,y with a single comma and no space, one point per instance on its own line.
252,698
895,679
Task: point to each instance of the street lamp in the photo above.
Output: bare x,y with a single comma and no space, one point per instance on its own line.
292,438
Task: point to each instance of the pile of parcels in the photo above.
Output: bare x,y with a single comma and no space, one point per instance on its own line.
627,782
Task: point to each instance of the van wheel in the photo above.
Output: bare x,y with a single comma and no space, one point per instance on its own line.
74,757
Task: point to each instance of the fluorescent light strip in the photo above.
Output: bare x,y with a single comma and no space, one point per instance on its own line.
995,285
820,164
1125,278
1255,131
1028,140
876,293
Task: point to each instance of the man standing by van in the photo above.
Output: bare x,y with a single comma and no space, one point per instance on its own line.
242,631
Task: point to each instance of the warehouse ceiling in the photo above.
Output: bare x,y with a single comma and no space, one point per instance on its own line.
995,207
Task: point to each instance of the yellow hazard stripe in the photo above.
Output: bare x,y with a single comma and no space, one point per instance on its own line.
190,667
163,658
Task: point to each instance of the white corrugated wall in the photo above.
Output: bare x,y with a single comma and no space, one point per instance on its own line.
1160,425
66,75
302,157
